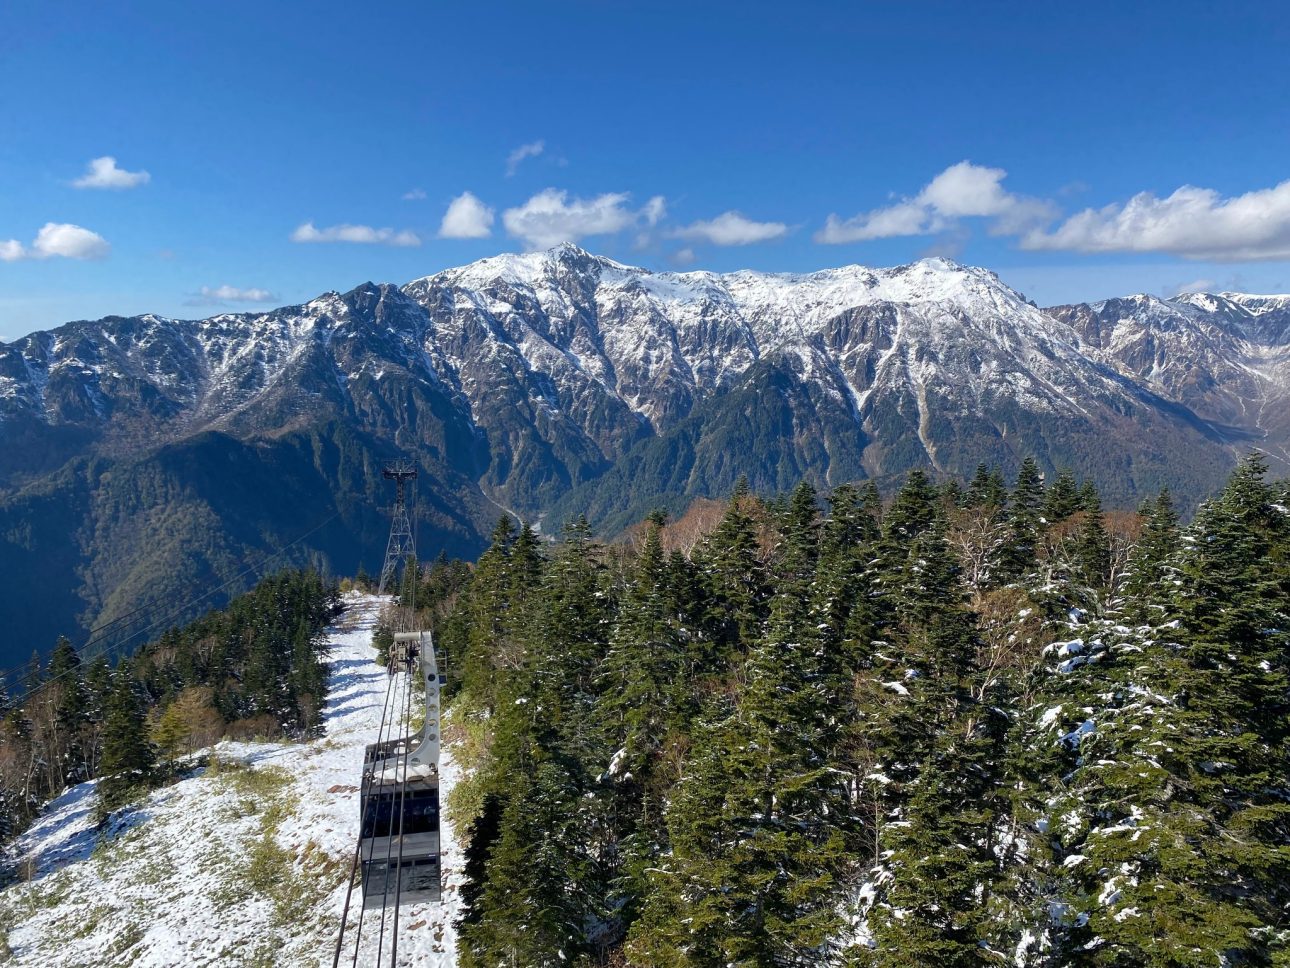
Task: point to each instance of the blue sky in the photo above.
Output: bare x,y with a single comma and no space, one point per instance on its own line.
261,153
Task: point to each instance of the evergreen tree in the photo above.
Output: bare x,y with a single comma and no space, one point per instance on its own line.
917,717
914,510
642,677
533,907
481,836
32,677
71,711
721,759
843,593
307,678
759,827
490,644
1150,561
736,577
941,867
1093,545
128,758
1025,520
986,489
1178,857
1062,499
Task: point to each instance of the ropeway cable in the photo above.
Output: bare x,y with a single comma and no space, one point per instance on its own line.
358,847
407,752
401,792
387,717
96,634
403,797
389,846
411,575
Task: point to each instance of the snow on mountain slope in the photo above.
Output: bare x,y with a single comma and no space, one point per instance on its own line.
546,368
241,864
1225,356
596,352
661,341
932,363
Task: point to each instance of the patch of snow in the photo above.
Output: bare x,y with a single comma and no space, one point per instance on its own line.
167,888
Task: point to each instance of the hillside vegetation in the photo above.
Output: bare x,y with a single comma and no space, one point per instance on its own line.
251,669
968,726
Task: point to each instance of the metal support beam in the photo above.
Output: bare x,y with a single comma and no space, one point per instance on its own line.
402,547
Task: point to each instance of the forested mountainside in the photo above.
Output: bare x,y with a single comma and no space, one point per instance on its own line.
968,726
251,669
148,457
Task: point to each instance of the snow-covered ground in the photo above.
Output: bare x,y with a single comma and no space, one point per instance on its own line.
244,863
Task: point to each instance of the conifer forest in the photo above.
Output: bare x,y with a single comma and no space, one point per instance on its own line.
956,724
950,726
251,669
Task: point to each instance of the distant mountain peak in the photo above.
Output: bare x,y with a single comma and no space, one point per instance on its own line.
525,269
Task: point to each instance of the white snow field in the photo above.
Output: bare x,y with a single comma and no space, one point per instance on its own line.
243,864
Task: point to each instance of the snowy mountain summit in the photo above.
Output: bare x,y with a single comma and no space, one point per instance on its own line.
559,383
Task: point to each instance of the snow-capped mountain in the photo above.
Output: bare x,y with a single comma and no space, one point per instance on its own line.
1225,356
579,356
560,382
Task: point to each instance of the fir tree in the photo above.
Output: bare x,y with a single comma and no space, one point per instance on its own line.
1025,520
1062,499
986,489
533,908
759,829
128,758
1151,558
1093,545
1178,858
71,710
736,577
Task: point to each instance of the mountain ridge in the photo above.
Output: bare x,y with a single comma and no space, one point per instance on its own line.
552,383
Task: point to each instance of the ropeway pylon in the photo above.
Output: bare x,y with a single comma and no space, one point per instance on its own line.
402,547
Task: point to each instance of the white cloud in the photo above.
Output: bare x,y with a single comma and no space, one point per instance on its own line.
654,210
530,150
364,234
551,217
69,242
1196,285
467,218
905,218
731,228
57,240
210,296
1195,223
416,195
103,173
964,190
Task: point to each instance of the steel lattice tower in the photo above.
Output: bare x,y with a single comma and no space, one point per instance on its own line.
402,547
